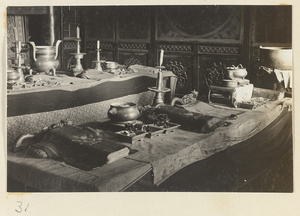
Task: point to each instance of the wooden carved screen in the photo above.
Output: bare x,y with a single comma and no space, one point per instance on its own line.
194,23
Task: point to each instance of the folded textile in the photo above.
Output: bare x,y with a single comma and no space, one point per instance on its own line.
285,76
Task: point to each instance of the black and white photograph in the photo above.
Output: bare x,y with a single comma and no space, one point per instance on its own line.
149,99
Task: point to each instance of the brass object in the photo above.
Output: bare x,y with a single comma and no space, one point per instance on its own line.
231,89
238,72
276,57
16,74
13,76
159,89
112,65
77,68
45,58
123,112
98,62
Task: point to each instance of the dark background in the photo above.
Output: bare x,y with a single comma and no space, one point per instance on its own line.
195,36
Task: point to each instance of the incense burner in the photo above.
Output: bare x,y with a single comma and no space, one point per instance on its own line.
123,112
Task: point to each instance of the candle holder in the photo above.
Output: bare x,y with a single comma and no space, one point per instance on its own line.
17,75
159,89
77,68
98,61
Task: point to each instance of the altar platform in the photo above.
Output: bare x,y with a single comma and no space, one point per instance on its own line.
161,157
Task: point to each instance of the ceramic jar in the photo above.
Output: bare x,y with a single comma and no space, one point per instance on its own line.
123,112
276,57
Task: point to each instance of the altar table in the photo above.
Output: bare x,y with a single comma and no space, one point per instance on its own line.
162,156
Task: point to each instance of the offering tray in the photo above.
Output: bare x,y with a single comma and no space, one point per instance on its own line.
139,136
131,132
117,126
170,127
151,131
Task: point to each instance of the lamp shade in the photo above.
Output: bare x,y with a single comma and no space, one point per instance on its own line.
276,57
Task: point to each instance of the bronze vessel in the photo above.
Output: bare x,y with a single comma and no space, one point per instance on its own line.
45,58
123,112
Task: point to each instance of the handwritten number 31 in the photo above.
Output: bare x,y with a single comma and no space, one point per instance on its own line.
20,209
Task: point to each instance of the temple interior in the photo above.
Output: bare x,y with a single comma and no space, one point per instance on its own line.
199,97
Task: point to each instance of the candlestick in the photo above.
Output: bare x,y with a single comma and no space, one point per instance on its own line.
159,80
78,32
78,48
161,57
98,50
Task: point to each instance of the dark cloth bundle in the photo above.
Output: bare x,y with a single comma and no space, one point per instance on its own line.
81,147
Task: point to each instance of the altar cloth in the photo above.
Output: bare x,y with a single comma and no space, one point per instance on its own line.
164,155
169,154
74,92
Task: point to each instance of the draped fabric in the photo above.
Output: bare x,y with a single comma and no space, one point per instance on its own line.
165,154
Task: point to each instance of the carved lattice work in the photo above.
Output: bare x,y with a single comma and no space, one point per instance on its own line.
103,64
182,48
219,50
133,46
132,61
92,45
215,74
179,70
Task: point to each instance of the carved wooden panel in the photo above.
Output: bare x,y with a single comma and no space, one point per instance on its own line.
176,47
181,64
128,58
68,47
100,23
10,39
16,30
107,52
92,56
273,24
134,23
220,50
70,22
92,45
189,23
208,60
133,46
27,10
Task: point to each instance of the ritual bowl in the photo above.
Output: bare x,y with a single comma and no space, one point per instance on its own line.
123,112
112,65
276,57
